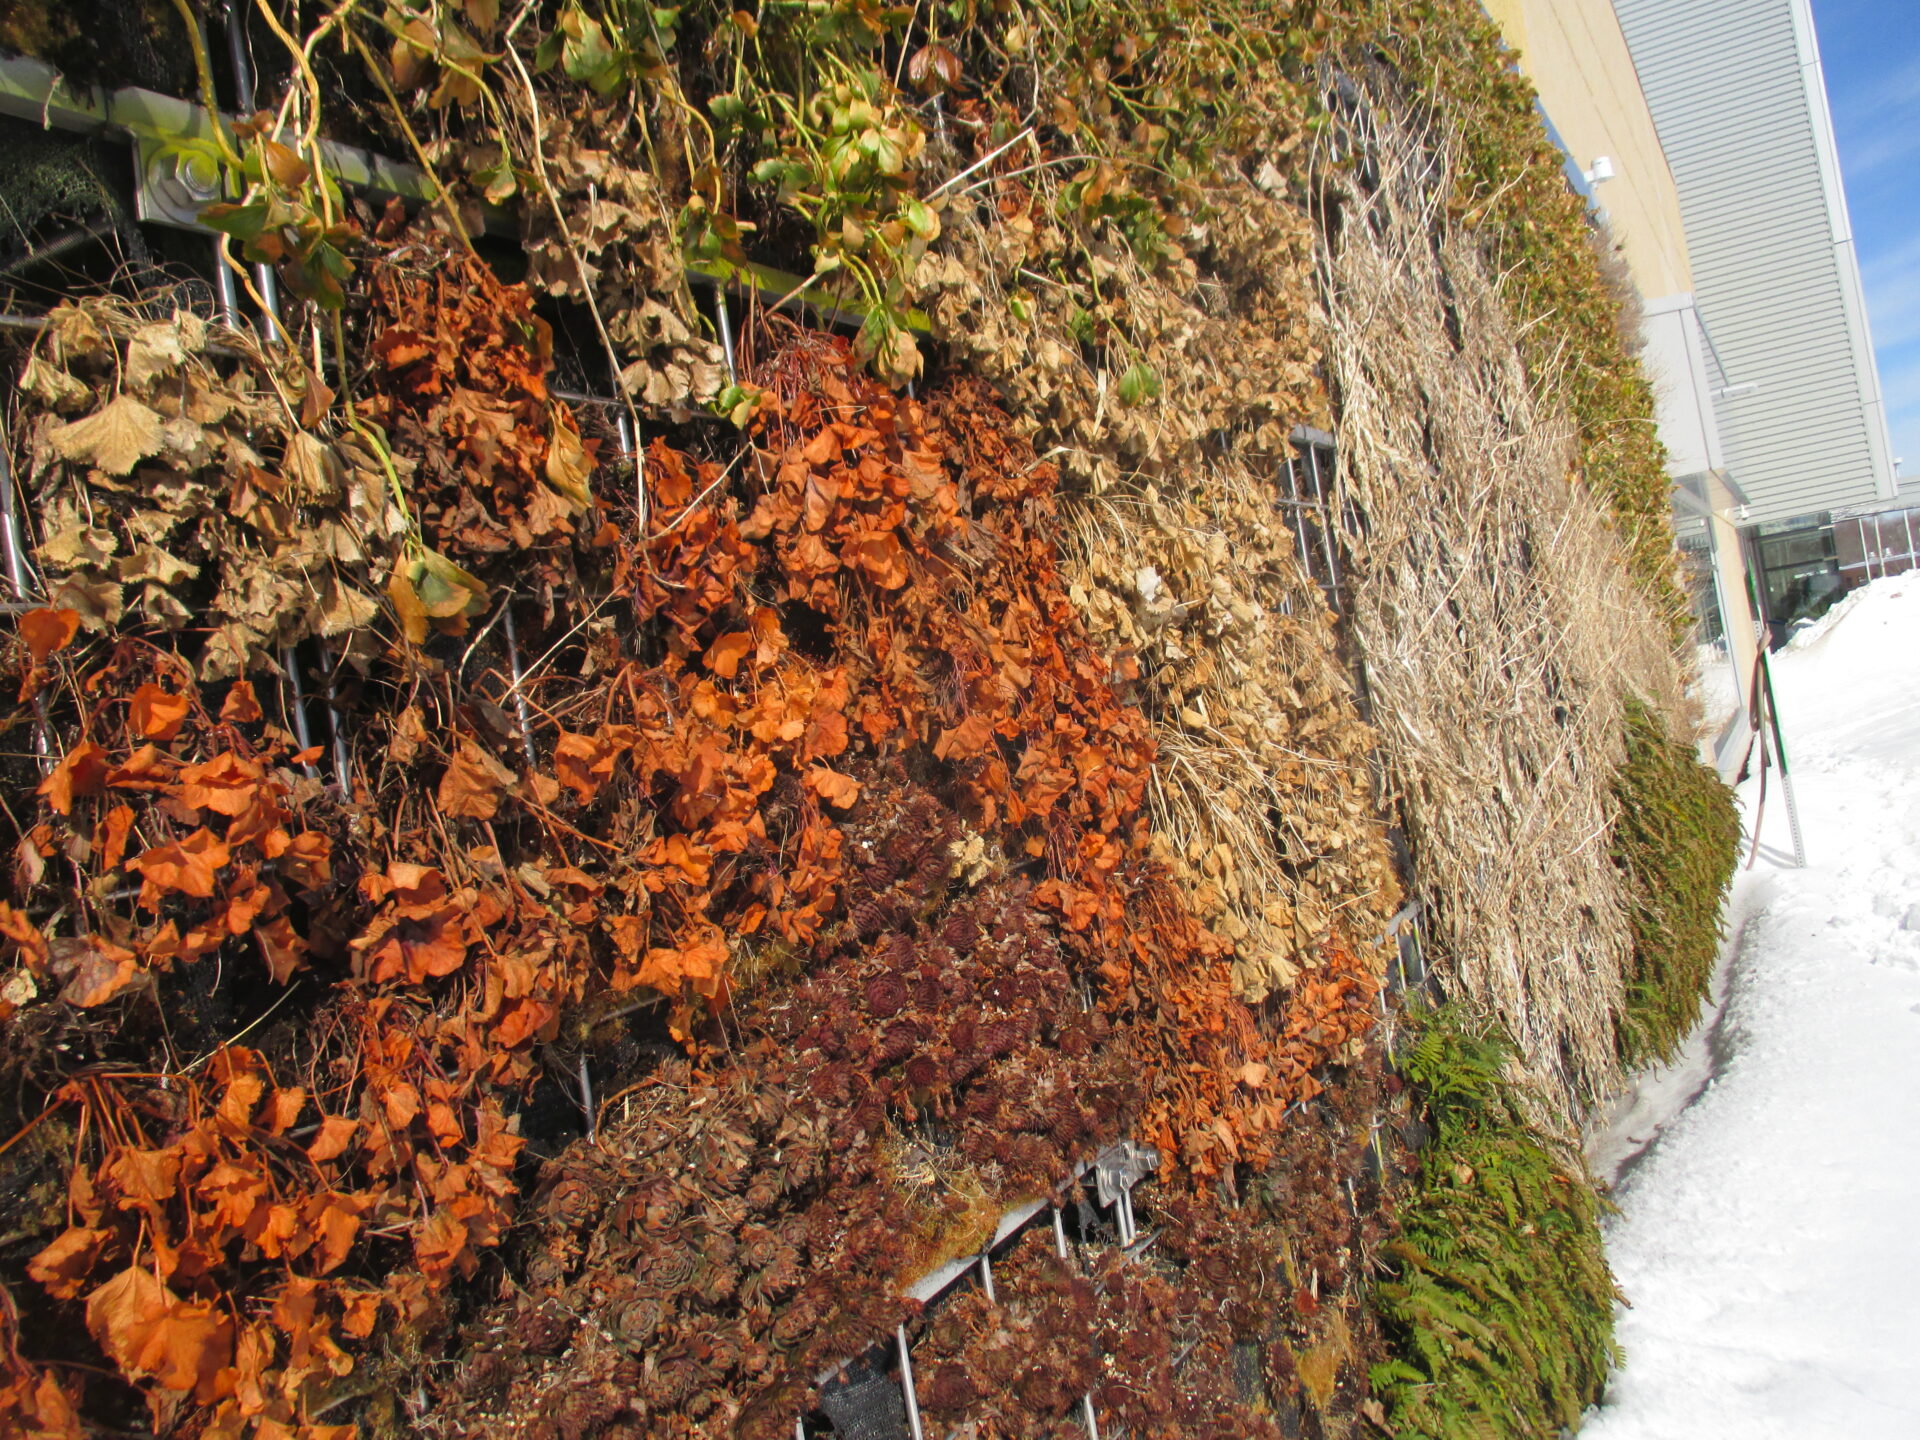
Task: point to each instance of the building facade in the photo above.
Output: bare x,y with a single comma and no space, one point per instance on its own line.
1576,55
1700,132
1738,94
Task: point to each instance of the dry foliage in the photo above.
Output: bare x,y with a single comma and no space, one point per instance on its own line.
1493,606
853,730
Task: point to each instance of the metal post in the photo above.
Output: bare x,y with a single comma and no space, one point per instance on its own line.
1060,1249
1299,520
10,530
906,1383
290,662
986,1276
243,90
1906,519
519,697
1786,778
1326,524
586,1102
725,318
14,540
623,428
342,757
223,286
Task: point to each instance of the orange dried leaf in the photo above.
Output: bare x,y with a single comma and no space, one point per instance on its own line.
402,1103
336,1133
839,791
149,1175
147,1330
67,1262
81,772
15,926
339,1225
360,1312
583,763
231,1192
225,784
241,707
882,557
47,631
307,859
407,605
94,969
283,1109
726,653
146,769
112,842
966,739
157,714
471,786
188,866
282,946
243,1095
694,862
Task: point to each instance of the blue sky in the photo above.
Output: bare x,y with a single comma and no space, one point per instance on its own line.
1870,50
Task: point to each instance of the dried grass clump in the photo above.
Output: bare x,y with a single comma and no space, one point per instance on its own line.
1263,795
1501,629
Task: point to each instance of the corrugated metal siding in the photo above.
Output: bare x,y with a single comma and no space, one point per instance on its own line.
1724,82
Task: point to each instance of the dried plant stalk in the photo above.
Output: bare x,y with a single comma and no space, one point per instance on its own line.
1501,629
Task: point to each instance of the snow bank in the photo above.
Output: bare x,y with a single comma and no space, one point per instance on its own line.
1770,1239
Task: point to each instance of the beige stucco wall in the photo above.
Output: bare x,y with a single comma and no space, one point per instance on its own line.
1576,57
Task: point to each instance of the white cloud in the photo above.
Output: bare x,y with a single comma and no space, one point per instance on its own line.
1891,279
1900,389
1866,152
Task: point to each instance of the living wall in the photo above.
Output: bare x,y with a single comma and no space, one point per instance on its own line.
518,930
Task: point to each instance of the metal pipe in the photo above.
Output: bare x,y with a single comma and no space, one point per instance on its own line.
586,1103
1060,1249
10,531
1326,524
58,246
519,696
14,540
725,317
906,1383
224,287
986,1277
1299,520
623,428
243,92
342,757
290,662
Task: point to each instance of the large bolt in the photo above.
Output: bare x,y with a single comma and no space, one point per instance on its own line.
197,173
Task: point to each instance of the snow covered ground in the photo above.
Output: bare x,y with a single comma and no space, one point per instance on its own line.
1769,1237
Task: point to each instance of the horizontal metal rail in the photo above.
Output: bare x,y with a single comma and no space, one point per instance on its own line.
178,173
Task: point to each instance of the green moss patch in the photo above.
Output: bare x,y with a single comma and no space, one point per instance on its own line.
1500,1307
1677,841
